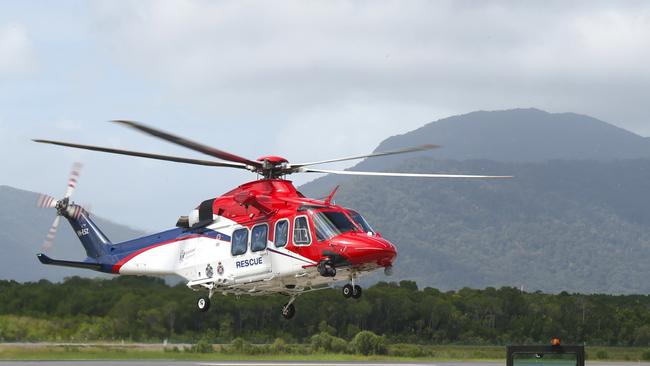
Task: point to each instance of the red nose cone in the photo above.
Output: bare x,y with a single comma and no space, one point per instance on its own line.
364,249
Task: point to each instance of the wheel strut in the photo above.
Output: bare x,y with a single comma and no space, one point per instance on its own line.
288,311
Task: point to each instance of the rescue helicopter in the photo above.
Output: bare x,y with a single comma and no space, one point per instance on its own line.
260,238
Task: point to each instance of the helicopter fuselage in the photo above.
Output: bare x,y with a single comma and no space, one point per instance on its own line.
263,236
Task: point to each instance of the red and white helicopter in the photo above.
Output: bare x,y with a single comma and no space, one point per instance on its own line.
260,238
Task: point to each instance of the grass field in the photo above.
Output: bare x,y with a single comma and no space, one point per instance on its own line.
155,352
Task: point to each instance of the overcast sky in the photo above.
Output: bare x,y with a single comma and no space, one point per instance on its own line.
307,80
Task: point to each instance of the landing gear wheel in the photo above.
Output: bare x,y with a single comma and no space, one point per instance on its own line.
357,292
203,304
326,268
288,311
347,291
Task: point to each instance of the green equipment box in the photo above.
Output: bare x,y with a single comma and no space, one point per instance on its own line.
553,355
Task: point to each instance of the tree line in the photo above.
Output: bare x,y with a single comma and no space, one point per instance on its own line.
146,309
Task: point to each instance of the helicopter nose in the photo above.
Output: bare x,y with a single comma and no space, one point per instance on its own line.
369,249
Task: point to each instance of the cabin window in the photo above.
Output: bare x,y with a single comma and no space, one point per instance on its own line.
281,235
239,241
301,231
259,236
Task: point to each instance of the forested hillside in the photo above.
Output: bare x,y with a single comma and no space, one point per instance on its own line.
575,217
141,309
575,226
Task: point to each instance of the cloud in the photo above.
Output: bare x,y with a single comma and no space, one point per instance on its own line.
17,56
451,55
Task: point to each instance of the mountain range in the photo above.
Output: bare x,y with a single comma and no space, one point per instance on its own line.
575,217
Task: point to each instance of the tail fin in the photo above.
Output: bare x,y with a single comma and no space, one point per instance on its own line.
91,237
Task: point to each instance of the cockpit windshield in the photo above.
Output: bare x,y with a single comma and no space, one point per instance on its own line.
361,221
328,224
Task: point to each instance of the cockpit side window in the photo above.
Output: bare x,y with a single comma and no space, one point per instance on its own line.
259,237
359,220
301,234
328,224
239,244
281,234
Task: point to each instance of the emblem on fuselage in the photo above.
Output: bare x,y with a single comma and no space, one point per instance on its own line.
220,269
208,271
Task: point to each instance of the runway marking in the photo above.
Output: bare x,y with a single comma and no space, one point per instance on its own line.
289,363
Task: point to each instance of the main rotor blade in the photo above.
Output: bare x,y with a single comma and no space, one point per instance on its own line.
220,154
145,155
384,153
414,175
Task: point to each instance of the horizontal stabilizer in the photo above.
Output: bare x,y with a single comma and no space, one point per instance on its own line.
47,260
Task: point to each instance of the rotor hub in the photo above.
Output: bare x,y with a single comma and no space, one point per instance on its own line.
62,206
273,167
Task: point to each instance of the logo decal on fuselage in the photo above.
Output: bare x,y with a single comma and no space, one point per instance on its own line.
208,271
220,269
249,262
185,254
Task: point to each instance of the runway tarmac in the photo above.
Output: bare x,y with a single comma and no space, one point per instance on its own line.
246,363
274,363
242,363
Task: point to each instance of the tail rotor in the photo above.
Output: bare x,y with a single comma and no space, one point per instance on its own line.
64,207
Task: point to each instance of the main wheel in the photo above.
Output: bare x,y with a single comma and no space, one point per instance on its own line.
203,304
357,292
347,291
332,272
326,268
288,311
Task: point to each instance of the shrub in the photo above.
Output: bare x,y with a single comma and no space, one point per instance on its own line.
368,343
645,356
324,342
642,336
406,350
238,346
202,346
602,355
279,346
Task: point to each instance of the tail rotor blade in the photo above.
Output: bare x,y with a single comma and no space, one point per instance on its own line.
72,182
45,201
51,235
77,211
